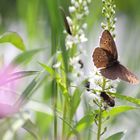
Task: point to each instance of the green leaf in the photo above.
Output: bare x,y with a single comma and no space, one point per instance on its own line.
116,136
27,92
117,110
127,98
14,39
58,78
22,74
75,100
32,129
25,57
84,122
47,68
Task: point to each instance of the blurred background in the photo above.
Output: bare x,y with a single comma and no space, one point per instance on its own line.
37,20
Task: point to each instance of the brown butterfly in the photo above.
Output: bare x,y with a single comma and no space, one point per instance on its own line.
65,21
105,57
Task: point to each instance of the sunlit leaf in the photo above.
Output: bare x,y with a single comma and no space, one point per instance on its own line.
14,39
116,136
32,129
58,78
127,98
117,110
48,69
84,123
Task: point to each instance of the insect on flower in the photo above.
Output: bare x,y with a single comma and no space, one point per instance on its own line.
107,99
66,22
105,58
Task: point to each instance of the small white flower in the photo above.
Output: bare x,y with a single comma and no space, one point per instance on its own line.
57,65
89,1
65,32
80,1
113,11
74,60
86,12
83,38
72,9
114,6
93,97
86,8
70,40
103,10
72,1
79,16
103,25
115,19
77,27
76,4
80,32
84,26
84,3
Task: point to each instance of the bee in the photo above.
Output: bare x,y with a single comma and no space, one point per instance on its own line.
109,100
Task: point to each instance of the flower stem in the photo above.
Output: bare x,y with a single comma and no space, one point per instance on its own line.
99,123
64,117
100,113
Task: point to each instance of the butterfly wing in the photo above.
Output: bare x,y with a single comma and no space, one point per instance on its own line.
107,43
66,22
119,71
102,58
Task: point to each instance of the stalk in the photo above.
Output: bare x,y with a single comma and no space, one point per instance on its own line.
99,123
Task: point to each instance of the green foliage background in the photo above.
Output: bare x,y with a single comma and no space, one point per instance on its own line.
40,25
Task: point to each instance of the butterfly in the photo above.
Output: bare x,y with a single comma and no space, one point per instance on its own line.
105,58
67,27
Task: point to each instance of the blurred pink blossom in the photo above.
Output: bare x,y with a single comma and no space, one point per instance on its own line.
8,96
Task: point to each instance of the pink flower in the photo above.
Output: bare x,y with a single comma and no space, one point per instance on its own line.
8,96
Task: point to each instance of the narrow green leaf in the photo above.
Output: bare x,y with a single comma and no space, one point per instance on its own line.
25,57
116,136
127,98
27,92
75,100
58,78
21,74
47,68
30,127
117,110
85,122
14,39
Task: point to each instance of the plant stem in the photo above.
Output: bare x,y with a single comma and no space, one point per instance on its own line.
100,113
99,123
54,86
64,117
